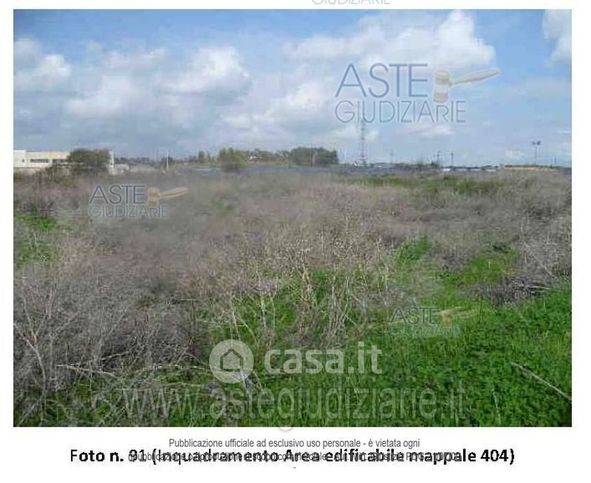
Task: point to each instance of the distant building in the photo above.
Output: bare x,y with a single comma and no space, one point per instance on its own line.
487,168
145,169
30,162
35,161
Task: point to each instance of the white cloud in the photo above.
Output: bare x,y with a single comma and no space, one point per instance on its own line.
301,103
299,112
514,155
273,95
456,44
117,84
557,28
26,49
115,95
213,70
149,83
430,131
238,121
451,42
126,98
120,96
35,71
115,60
305,104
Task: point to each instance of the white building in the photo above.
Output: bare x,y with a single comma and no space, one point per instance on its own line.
29,162
34,161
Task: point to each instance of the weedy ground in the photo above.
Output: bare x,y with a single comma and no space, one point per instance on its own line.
461,281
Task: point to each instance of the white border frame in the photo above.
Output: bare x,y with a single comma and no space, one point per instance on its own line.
542,454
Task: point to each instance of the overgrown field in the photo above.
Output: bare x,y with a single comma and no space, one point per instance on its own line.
460,282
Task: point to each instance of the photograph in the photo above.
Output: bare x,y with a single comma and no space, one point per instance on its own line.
311,218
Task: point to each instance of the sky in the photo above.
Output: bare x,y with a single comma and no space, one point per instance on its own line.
143,83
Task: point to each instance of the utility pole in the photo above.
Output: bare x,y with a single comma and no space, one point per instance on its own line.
536,145
451,158
437,157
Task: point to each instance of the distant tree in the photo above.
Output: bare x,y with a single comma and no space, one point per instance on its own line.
283,156
326,158
88,161
232,160
201,157
262,156
305,156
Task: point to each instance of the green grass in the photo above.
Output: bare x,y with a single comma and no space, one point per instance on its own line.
448,357
412,251
38,222
35,245
433,184
488,268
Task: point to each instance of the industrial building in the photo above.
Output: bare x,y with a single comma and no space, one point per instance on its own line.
30,162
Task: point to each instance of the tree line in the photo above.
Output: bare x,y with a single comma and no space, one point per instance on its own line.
231,159
93,161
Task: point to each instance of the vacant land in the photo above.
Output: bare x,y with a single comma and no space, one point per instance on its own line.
115,318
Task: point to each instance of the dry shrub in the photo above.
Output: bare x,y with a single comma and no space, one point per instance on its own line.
116,299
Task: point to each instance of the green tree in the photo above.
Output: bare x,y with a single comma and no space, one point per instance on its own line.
231,160
88,161
304,156
262,156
